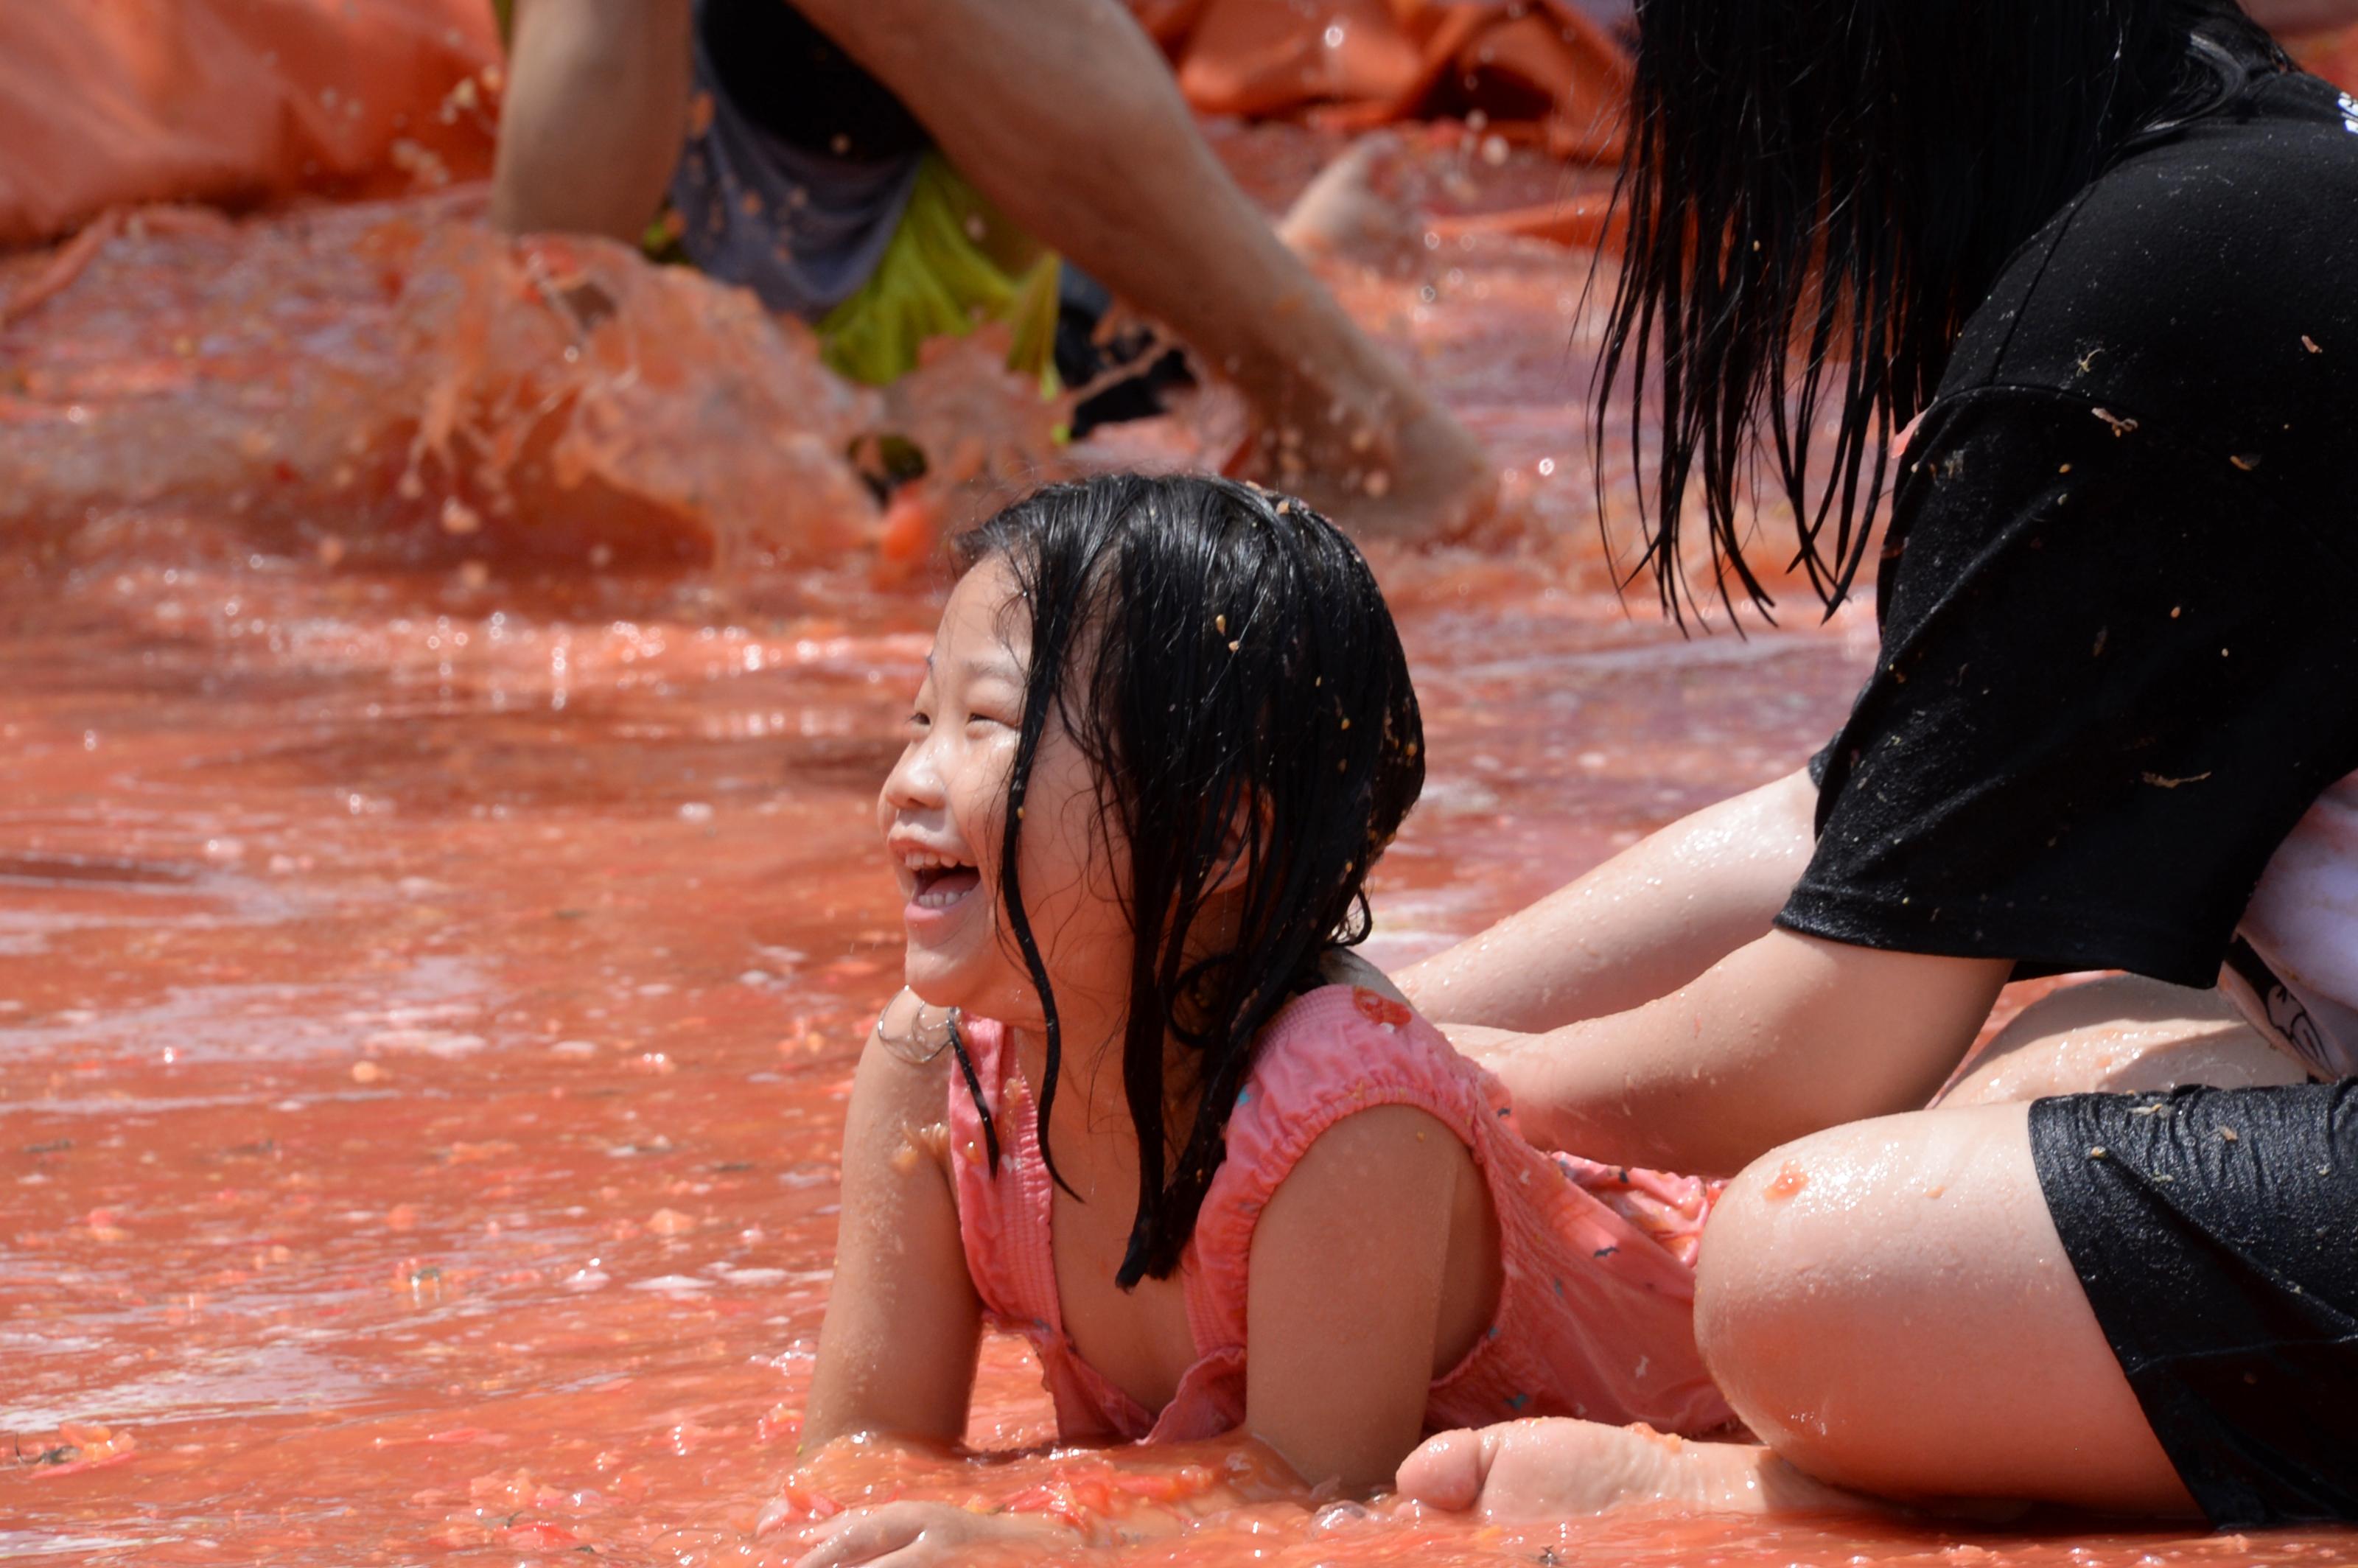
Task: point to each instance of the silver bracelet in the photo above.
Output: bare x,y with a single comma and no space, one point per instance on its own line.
920,1045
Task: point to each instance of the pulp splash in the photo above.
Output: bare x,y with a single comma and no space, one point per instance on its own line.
431,964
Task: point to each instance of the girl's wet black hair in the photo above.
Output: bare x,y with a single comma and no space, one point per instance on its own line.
1224,660
1819,192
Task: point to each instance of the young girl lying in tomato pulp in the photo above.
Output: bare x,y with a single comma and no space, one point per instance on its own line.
1139,1103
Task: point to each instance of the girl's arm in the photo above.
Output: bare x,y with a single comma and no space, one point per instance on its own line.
1636,927
1347,1281
897,1351
1349,1265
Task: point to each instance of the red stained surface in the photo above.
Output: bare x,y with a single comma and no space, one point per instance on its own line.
431,967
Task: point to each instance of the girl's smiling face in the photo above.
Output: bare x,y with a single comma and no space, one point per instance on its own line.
944,812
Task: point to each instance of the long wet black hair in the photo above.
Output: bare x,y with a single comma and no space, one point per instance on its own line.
1225,661
1819,193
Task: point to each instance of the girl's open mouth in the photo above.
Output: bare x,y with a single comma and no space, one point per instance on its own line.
940,887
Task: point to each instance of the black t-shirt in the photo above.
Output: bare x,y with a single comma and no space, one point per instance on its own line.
2120,600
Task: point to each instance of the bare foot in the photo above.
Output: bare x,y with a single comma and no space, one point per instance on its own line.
1557,1469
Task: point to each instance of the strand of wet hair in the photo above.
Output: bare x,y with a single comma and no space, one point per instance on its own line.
974,1091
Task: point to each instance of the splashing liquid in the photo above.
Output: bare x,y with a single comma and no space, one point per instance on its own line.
432,962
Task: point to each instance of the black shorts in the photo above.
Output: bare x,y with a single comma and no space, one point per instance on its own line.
2213,1230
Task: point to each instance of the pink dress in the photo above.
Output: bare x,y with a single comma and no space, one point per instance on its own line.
1595,1310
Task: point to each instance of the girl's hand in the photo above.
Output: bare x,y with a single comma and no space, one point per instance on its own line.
905,1535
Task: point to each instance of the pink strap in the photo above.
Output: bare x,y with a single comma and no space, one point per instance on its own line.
1002,1220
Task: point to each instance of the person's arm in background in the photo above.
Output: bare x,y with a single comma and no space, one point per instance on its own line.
1636,927
595,114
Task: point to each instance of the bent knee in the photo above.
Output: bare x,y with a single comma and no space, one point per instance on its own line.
1855,1282
1773,1266
1786,1233
1834,1264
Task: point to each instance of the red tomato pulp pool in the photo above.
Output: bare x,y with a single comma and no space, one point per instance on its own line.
445,690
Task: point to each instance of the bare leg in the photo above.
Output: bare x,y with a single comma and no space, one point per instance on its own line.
1062,113
1888,1305
2120,1035
595,114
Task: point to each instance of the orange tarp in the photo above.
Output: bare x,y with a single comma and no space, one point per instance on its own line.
104,102
108,103
1542,64
2333,56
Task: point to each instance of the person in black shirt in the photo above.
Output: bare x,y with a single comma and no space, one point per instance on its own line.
2103,258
